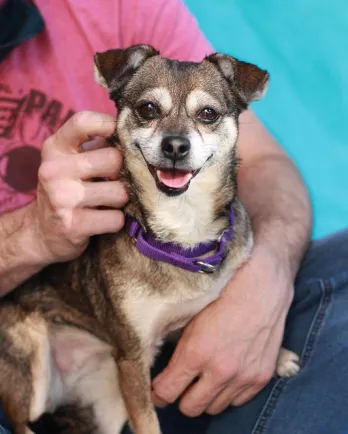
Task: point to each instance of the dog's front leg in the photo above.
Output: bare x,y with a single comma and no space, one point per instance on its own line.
135,383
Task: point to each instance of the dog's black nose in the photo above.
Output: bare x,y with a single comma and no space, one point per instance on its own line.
175,147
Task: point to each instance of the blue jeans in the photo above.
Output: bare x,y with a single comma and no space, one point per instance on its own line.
316,400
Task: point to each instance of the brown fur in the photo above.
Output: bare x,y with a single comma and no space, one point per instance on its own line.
93,301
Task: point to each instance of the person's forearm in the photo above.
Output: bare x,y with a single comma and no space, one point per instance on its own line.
20,254
276,198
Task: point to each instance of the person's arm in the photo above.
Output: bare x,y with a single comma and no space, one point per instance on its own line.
20,254
232,346
274,193
56,226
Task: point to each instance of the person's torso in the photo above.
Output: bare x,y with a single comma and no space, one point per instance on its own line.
43,82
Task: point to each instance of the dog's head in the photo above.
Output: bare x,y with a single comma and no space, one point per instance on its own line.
177,118
177,127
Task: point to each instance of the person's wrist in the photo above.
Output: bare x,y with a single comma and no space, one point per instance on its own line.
284,243
32,239
275,260
21,252
267,273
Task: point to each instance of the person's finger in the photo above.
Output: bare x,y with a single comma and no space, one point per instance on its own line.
95,222
81,127
196,399
176,377
100,163
93,144
224,399
110,194
246,394
158,402
97,143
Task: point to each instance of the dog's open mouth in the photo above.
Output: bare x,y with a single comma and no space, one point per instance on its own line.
172,181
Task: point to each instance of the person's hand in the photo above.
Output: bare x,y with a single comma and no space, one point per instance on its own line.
64,212
231,347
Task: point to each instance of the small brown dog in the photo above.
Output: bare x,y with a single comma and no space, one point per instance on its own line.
85,333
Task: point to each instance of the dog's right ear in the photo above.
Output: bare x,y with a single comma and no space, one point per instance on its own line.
114,68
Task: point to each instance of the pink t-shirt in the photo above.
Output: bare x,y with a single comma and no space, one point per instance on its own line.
48,78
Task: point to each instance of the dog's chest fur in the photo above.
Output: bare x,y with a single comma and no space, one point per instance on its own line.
155,315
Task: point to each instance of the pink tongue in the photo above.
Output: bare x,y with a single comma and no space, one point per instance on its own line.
174,180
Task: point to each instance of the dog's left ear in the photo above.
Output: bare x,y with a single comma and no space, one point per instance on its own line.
114,68
248,80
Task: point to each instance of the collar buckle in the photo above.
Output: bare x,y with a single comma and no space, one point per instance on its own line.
206,268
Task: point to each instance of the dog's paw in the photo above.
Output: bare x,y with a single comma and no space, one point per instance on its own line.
288,363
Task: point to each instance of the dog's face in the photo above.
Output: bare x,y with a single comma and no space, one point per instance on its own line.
177,118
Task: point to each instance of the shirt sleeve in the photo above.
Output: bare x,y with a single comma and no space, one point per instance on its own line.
170,27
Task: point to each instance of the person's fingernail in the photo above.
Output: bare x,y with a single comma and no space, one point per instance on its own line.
84,146
92,144
158,402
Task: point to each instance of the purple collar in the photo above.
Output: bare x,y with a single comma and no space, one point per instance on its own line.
188,259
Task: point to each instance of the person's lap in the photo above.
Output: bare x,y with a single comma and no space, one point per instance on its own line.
313,402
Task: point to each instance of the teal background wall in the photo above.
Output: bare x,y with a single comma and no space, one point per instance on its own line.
304,45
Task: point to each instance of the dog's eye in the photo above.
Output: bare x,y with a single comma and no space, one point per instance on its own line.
208,115
148,111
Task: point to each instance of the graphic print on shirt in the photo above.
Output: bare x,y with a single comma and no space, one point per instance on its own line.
27,118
